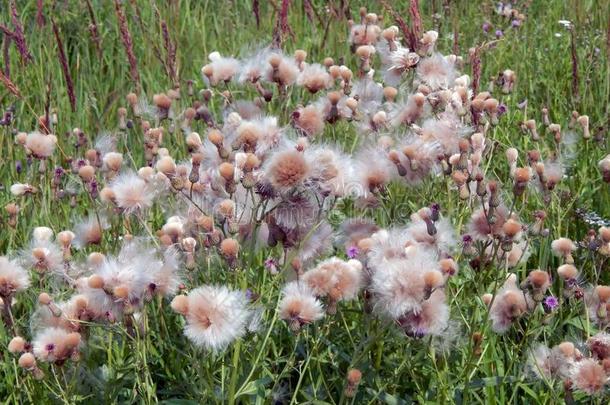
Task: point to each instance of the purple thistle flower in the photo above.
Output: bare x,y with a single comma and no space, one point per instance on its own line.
18,166
420,333
352,252
486,27
502,109
551,302
499,34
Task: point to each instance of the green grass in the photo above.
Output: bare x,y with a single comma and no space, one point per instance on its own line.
161,365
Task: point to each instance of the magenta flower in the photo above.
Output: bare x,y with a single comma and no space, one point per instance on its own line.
352,252
550,303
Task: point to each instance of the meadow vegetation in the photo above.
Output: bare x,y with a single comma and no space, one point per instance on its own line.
301,201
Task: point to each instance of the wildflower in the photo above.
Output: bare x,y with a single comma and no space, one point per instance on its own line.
488,222
537,282
27,361
230,248
317,244
164,273
56,345
402,60
221,69
309,119
19,189
417,160
436,72
588,376
353,380
403,285
352,252
314,78
282,70
215,316
163,103
599,345
555,363
89,231
113,162
17,345
563,247
604,167
567,272
132,193
597,301
41,146
335,279
432,231
121,284
299,306
551,174
508,305
551,303
13,278
446,131
430,320
373,172
428,42
43,254
287,170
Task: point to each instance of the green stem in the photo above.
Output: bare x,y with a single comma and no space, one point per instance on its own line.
234,372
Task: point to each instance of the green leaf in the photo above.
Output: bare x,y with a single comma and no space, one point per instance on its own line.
178,401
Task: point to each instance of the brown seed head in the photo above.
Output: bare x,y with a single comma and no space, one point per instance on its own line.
511,228
334,97
121,292
11,208
354,376
538,278
73,339
229,247
300,55
216,137
95,281
226,170
567,349
567,271
390,93
27,361
180,304
87,173
433,279
522,175
44,299
162,101
132,99
16,345
603,293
